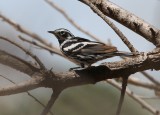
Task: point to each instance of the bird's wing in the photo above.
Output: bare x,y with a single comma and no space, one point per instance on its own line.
79,39
91,47
98,48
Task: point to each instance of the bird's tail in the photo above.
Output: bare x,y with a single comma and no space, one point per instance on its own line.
126,54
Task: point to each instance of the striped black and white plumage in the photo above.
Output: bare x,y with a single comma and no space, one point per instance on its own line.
84,51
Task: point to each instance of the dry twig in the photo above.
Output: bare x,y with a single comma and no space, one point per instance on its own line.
27,32
28,94
144,84
26,51
117,31
151,78
52,100
133,22
136,98
40,45
61,11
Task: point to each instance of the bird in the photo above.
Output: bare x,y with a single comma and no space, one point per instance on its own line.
84,51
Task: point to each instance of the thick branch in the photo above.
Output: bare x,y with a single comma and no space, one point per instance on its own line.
93,74
22,87
106,71
129,20
117,31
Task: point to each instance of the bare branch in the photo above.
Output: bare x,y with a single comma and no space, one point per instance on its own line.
136,98
117,31
123,91
152,97
123,68
39,102
151,78
7,79
26,51
50,49
52,100
27,93
94,74
136,24
144,84
27,32
17,63
60,10
22,87
47,48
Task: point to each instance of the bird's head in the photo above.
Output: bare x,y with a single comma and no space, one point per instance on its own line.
62,34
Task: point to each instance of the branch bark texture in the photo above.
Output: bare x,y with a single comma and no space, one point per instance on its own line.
128,19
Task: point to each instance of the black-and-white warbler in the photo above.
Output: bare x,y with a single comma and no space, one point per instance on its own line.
84,51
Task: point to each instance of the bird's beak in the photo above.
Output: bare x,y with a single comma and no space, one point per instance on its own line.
52,32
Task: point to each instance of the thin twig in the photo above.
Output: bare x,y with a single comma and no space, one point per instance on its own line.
151,78
41,46
46,48
123,91
39,102
7,79
25,31
153,97
117,31
22,29
52,100
70,20
26,51
17,63
27,93
144,84
136,98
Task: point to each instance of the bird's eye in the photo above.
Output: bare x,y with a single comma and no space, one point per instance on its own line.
62,33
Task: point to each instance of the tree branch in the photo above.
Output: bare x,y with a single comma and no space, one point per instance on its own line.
52,100
151,78
24,50
29,94
27,32
95,74
136,98
117,31
144,84
50,49
17,63
22,87
60,10
131,21
123,91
